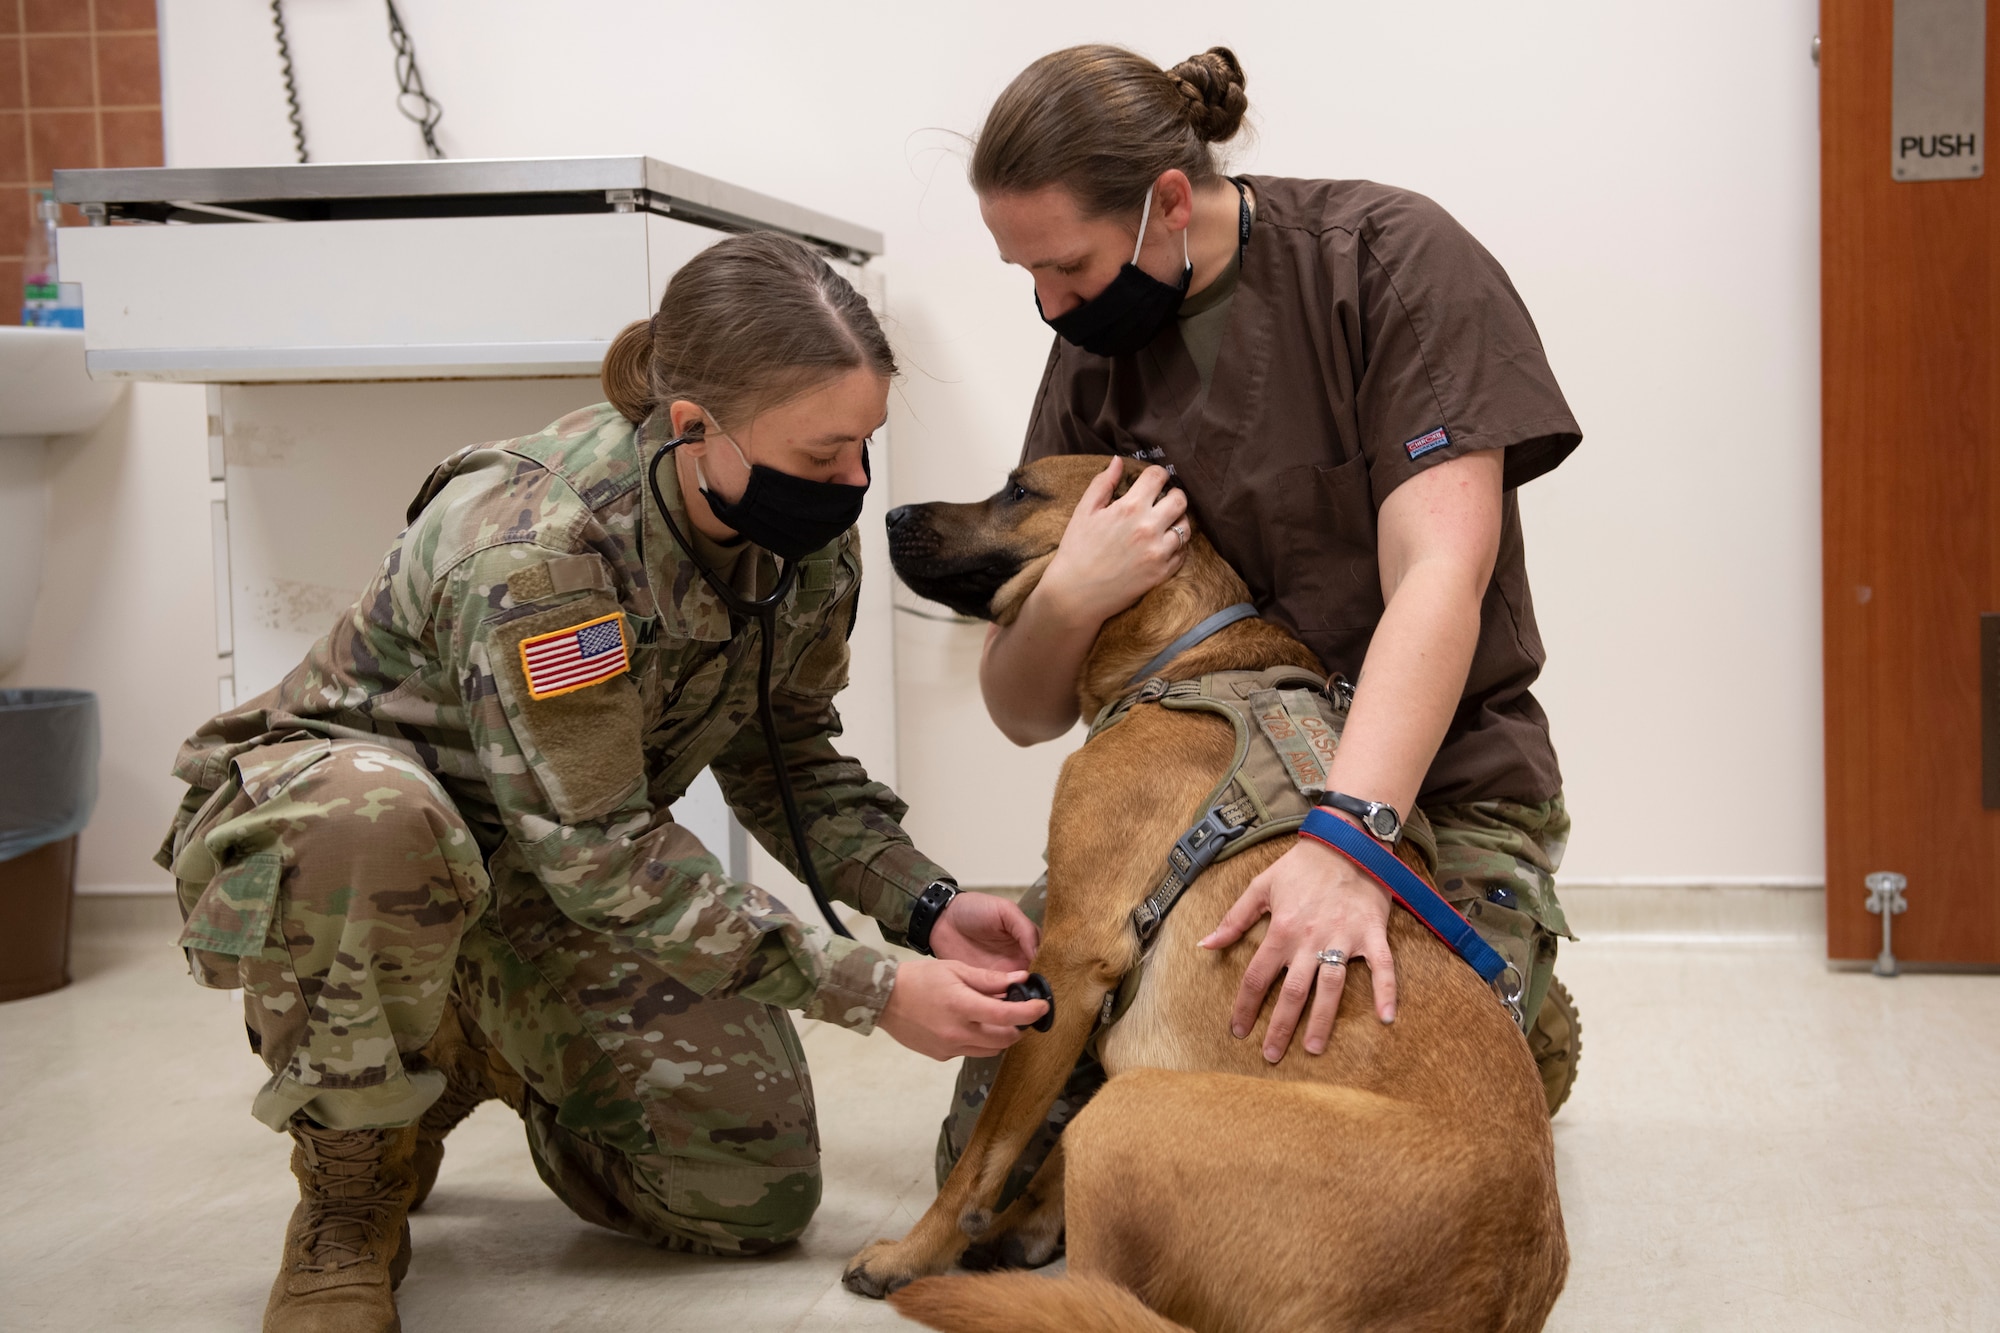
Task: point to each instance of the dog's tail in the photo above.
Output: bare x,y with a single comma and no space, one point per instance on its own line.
1027,1303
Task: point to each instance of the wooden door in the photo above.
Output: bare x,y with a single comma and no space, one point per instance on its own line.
1911,496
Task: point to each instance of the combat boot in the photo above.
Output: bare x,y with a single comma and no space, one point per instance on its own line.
348,1244
1556,1041
473,1073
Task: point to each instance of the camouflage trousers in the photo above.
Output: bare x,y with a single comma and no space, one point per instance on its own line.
1497,862
336,884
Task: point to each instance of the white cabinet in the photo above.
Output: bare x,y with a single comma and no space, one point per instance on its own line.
403,298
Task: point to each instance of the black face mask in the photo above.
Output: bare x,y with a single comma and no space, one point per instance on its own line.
1131,311
789,516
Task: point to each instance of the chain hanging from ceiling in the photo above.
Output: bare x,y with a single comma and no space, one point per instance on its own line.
416,105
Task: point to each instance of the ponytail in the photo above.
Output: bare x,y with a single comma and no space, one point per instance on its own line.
627,373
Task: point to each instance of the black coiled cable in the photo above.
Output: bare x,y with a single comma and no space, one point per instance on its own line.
291,82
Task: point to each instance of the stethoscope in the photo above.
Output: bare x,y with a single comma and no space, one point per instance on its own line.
763,610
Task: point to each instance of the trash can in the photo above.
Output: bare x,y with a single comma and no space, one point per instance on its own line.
48,784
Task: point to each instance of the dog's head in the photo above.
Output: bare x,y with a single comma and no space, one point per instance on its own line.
983,559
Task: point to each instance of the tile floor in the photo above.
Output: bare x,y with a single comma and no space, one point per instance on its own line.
1755,1143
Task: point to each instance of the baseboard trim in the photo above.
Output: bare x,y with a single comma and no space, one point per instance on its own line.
1903,965
1648,912
1566,883
1704,914
149,917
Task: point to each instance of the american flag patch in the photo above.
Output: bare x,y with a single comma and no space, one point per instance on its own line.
572,658
1423,444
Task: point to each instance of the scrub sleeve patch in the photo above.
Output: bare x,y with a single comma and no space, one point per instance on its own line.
582,744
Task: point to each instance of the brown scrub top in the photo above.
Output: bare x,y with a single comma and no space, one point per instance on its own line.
1369,337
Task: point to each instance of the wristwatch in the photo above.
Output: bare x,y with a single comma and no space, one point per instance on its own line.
1379,821
929,907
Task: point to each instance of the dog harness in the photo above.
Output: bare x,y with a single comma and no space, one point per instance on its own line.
1287,723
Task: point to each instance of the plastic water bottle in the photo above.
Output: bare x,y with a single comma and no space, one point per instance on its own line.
40,292
47,302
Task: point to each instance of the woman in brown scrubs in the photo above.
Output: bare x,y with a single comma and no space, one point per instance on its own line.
1349,392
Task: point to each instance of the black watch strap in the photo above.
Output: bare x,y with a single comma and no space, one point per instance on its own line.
929,907
1379,821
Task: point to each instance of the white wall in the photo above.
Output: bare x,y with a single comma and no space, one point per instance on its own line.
1647,176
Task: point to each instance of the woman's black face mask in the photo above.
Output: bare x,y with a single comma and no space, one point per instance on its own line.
1131,311
789,516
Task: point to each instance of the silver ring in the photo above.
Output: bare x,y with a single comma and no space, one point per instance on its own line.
1180,530
1333,957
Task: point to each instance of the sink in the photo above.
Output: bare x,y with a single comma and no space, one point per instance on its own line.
43,387
44,391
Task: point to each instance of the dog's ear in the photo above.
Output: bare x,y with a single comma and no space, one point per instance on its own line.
1133,467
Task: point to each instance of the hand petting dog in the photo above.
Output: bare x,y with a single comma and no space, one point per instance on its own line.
1115,551
1316,899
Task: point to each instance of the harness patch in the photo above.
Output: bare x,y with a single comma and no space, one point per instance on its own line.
1424,444
1304,739
575,658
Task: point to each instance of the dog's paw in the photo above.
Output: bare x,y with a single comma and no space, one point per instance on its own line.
1012,1249
878,1270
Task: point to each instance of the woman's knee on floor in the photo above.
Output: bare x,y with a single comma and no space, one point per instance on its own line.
731,1207
706,1204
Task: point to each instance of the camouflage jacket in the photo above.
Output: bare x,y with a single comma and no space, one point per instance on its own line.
510,548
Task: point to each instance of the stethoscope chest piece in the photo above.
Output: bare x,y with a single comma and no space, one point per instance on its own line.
1036,987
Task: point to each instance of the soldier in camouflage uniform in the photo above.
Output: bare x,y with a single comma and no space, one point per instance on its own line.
440,874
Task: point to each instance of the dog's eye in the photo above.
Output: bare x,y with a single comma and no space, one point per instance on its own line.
1017,494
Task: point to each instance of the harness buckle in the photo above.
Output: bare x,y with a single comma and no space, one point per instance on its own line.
1340,690
1152,691
1190,855
1208,837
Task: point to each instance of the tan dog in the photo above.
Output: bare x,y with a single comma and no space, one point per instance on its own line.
1403,1180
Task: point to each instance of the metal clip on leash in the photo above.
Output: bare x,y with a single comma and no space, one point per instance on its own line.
1509,987
764,610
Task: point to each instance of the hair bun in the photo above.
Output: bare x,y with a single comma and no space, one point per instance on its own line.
627,372
1212,83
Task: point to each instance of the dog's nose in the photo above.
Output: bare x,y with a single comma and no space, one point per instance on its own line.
897,515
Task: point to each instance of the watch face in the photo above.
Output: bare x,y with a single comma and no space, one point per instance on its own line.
1382,822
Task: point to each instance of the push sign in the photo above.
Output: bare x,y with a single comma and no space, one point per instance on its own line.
1938,106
